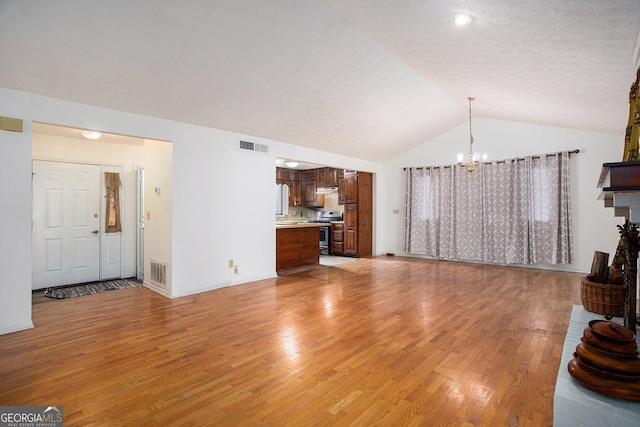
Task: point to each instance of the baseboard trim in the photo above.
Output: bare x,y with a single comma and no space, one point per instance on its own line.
16,328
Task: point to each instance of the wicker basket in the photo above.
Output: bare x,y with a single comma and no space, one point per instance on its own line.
602,298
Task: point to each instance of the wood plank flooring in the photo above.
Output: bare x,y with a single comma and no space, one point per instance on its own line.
376,342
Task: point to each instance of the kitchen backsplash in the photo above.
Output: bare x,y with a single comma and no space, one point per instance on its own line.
331,203
305,214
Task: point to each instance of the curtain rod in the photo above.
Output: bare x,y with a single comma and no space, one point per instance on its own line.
518,159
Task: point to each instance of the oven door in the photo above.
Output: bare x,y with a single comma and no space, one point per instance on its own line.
325,232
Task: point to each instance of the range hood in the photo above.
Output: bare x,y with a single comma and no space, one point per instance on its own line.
327,190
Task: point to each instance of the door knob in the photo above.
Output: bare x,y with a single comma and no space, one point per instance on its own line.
95,232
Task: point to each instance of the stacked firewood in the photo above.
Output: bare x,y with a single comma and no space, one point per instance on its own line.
601,272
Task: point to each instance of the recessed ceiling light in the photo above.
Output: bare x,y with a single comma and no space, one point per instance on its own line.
291,164
90,134
462,19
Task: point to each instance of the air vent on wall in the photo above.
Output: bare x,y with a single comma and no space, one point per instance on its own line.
158,272
252,146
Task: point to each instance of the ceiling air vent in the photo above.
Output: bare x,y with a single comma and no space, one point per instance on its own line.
252,146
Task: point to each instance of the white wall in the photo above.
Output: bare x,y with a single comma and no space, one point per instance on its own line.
15,222
594,226
158,210
221,199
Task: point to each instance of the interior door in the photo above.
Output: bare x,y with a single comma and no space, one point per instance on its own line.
66,223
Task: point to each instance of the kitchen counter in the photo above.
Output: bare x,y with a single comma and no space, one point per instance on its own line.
297,245
287,224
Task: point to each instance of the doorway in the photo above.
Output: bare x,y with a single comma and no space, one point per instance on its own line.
70,242
144,165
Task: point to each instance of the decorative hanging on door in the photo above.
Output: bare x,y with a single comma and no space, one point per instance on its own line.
112,184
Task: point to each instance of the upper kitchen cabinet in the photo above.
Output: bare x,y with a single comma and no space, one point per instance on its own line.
321,177
310,197
293,178
282,174
341,193
327,177
331,177
350,187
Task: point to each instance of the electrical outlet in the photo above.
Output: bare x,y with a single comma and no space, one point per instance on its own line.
230,263
235,269
396,211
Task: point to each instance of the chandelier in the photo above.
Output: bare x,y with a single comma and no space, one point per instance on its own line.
474,158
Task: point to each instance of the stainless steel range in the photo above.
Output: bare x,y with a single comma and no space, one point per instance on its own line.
325,232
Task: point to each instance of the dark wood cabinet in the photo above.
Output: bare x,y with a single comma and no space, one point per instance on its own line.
309,188
358,215
331,177
351,229
337,239
296,247
341,187
309,196
295,193
293,178
327,177
321,177
350,188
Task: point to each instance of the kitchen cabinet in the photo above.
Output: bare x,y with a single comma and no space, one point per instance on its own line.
337,238
321,177
310,198
282,174
331,177
327,177
341,194
295,190
297,246
350,187
351,229
293,178
358,214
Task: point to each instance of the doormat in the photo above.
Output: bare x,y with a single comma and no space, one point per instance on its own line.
73,291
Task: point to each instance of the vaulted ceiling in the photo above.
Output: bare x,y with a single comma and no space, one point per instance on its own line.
363,78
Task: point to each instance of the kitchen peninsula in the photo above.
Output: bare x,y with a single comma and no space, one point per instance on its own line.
297,244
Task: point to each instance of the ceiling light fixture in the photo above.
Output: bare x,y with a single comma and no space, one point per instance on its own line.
462,19
291,164
91,134
474,158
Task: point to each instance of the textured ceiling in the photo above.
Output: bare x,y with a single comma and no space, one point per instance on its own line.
363,78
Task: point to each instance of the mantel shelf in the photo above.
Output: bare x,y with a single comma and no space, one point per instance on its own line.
620,183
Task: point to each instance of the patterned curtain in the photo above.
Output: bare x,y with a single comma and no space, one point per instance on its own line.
514,212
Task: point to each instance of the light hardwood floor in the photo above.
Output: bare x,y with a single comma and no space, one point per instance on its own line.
383,341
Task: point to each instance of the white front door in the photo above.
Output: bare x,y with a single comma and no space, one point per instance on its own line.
66,223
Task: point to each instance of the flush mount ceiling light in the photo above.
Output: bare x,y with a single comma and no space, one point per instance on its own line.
291,164
91,134
462,19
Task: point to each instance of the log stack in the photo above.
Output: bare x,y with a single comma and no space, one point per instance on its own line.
602,290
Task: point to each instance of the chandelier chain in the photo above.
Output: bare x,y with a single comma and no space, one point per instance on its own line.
471,141
473,161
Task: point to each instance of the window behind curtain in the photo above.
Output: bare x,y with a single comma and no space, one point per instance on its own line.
515,211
